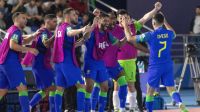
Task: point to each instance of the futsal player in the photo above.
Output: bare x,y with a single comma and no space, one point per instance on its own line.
41,66
67,69
160,62
128,53
11,72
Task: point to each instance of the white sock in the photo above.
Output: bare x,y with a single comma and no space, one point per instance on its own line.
116,102
132,100
122,109
92,110
127,100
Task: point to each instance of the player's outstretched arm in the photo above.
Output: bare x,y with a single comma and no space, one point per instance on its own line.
74,32
28,38
150,14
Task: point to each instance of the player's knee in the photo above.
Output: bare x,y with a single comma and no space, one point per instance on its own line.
131,87
58,88
104,88
116,86
122,81
3,92
21,87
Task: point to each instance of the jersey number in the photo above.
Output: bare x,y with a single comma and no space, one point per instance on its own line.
164,43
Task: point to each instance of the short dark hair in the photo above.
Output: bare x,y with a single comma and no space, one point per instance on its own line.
16,14
103,15
121,12
198,6
67,11
112,15
159,18
49,16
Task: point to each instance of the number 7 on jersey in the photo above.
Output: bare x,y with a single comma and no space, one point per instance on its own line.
164,43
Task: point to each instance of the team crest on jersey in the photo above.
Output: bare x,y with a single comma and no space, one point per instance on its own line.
88,72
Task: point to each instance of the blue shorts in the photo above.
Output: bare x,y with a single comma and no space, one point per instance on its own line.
114,71
44,78
98,75
67,75
162,73
11,75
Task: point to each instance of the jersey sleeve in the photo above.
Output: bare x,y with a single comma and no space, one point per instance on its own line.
145,37
112,39
138,25
16,36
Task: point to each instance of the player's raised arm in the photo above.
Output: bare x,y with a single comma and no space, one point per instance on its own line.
150,14
127,31
169,27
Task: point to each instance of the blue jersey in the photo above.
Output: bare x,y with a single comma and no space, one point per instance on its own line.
160,42
13,55
67,47
89,52
39,59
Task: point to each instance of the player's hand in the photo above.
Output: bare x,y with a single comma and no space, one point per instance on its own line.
124,21
33,51
87,28
96,12
158,6
165,21
96,20
38,32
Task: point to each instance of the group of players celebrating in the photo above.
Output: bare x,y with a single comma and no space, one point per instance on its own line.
111,53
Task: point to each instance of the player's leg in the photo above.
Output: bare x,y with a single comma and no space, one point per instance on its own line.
177,98
3,85
168,80
3,93
154,76
149,98
95,96
116,102
129,67
80,96
89,87
39,95
60,85
122,90
23,97
58,98
103,96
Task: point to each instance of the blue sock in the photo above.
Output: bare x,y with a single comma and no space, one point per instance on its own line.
52,101
176,97
149,103
80,99
95,96
24,101
102,101
58,101
122,91
36,98
122,95
87,102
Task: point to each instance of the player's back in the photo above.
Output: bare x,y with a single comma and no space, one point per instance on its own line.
160,43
